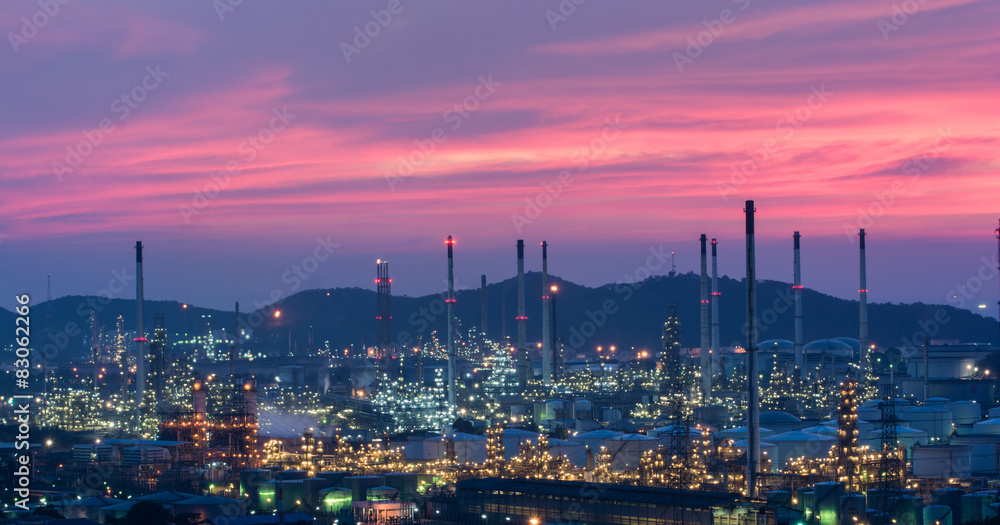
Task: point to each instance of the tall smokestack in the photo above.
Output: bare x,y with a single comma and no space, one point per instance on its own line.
450,301
715,307
482,300
753,392
863,312
927,383
800,361
706,359
546,344
235,350
522,344
140,336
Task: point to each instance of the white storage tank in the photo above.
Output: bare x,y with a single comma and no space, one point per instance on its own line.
985,453
936,421
798,443
626,450
942,402
611,415
937,515
512,439
574,451
989,427
741,433
780,421
584,409
966,412
869,414
942,461
906,437
993,412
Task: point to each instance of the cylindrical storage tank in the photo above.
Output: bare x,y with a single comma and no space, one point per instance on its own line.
827,507
937,515
291,474
310,491
852,508
332,478
942,461
942,402
292,495
972,505
553,409
869,414
584,409
359,485
993,412
267,495
951,498
741,433
936,421
336,500
966,412
910,510
797,443
806,498
250,481
989,427
538,408
406,482
611,415
985,453
905,436
383,493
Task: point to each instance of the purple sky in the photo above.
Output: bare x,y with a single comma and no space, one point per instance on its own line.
119,122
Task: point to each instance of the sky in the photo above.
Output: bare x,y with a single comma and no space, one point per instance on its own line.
240,141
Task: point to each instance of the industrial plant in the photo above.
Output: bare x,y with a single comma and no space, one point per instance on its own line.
222,421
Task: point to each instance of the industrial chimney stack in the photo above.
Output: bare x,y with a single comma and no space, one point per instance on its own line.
140,336
714,356
546,344
482,305
450,301
753,392
800,363
522,344
863,312
706,360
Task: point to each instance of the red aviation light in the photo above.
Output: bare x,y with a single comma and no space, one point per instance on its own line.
140,339
449,240
863,291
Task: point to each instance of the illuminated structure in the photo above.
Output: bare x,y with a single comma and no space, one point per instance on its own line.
753,389
547,359
865,351
670,354
388,363
140,341
523,365
714,352
157,361
800,362
847,434
706,355
450,303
